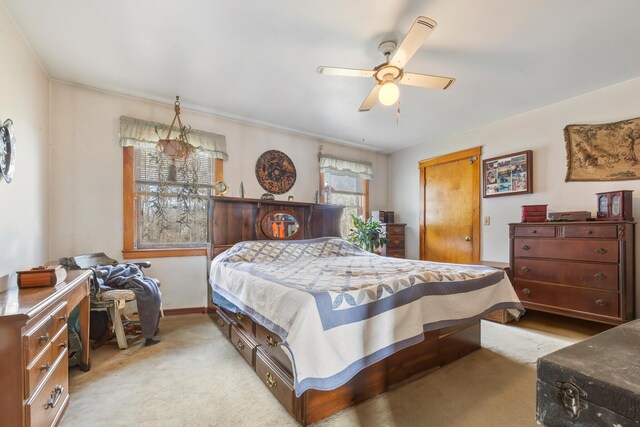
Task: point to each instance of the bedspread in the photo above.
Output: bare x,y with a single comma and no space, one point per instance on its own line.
339,309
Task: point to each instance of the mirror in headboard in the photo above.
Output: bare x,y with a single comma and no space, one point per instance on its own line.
280,225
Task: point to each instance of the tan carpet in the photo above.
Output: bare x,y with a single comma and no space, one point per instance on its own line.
194,377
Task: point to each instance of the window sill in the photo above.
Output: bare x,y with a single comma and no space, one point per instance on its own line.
163,253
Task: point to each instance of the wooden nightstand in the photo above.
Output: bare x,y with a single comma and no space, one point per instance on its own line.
395,236
500,316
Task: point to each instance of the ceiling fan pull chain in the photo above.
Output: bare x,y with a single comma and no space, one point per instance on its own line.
398,112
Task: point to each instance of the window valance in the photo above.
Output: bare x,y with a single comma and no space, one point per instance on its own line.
135,131
353,168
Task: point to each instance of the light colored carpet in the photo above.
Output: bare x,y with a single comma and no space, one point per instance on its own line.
195,377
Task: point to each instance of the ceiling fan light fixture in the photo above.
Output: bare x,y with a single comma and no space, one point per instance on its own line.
388,93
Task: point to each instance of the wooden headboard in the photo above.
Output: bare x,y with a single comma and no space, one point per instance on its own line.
236,219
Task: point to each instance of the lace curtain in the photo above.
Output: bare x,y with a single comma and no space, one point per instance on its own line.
343,167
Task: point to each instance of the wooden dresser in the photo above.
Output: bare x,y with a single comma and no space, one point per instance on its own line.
578,269
33,354
395,245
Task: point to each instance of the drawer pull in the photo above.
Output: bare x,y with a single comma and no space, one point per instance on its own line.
534,231
220,323
526,247
45,367
63,344
601,302
600,276
55,397
240,316
271,382
240,345
601,251
525,269
64,318
271,342
43,338
526,292
590,232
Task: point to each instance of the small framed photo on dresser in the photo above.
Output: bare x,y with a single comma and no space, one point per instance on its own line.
507,175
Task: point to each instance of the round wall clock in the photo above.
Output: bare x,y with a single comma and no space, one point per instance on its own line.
275,172
7,150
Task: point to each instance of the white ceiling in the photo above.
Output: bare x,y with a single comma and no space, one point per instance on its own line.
255,60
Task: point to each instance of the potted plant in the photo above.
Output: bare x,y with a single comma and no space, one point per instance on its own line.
369,235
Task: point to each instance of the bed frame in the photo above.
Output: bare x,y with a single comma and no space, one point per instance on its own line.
236,220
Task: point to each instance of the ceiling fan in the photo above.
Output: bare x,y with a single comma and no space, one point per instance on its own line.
391,72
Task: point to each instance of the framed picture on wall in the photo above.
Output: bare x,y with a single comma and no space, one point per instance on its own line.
507,175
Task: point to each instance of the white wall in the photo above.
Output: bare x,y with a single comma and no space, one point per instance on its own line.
24,234
540,130
86,176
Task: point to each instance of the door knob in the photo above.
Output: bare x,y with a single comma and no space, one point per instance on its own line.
467,238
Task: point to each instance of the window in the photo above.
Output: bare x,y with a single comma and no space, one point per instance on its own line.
352,193
166,198
345,182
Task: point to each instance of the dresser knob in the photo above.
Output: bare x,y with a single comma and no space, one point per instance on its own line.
601,251
240,345
600,276
526,248
590,232
63,344
64,318
43,338
271,342
271,382
240,316
220,323
526,292
45,367
534,231
525,269
601,302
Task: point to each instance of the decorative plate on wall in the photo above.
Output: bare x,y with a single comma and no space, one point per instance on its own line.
275,172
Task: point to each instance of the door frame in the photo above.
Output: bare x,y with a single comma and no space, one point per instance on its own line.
475,200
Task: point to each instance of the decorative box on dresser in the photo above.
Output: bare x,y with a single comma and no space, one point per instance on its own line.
395,236
582,269
33,354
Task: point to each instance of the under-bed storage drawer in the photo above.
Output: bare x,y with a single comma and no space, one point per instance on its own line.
243,320
271,344
244,344
222,322
278,381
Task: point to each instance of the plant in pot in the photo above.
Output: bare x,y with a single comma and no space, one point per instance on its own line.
369,235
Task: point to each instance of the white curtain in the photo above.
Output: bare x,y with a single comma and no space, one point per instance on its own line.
353,168
134,131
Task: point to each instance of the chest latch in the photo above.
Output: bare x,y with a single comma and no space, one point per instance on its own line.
572,398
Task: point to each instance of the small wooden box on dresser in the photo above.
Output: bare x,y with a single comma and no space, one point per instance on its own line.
395,236
582,269
34,371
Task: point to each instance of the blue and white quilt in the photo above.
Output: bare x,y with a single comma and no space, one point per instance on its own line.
339,309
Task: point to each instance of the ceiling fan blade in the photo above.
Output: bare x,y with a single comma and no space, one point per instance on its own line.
427,81
416,36
348,72
370,100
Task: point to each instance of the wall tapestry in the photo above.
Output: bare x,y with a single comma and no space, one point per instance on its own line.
605,152
275,172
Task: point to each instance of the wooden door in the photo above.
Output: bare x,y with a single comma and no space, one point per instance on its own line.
450,207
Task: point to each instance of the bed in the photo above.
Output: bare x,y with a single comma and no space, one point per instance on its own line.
326,325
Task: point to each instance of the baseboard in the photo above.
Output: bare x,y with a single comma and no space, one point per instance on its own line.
184,310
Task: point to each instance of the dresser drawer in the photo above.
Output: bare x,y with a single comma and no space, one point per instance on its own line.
60,343
37,339
394,253
278,382
245,345
59,318
395,230
270,343
38,370
590,275
395,243
222,322
588,231
46,406
579,250
594,301
534,231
